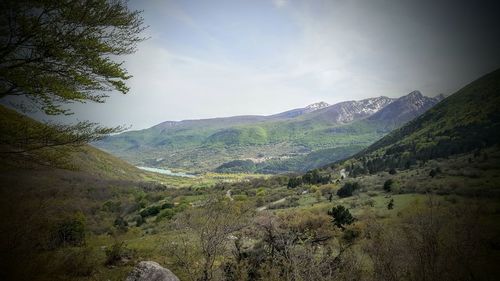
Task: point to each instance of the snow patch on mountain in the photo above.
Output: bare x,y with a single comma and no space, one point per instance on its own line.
317,106
351,110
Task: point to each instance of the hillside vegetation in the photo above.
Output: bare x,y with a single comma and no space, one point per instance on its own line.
296,140
466,121
59,201
97,217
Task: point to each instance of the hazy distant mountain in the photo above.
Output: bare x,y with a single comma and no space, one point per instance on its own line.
242,119
293,140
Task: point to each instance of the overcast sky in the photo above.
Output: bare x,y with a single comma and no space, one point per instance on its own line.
221,58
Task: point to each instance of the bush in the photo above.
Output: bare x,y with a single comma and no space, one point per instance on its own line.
311,177
327,190
167,205
259,202
240,197
118,253
294,182
78,262
348,189
121,224
165,214
390,205
150,211
341,216
261,192
350,234
111,206
369,202
314,177
388,185
392,171
434,172
139,220
70,231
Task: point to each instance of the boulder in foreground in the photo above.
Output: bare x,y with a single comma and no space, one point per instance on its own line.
151,271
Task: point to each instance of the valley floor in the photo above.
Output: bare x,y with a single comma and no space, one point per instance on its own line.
109,225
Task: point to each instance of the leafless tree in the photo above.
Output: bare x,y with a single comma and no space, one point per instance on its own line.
207,230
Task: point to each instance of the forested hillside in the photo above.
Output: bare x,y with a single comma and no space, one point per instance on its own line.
296,140
466,121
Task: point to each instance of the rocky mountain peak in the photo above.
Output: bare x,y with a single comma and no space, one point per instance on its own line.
349,111
415,94
316,106
415,101
405,108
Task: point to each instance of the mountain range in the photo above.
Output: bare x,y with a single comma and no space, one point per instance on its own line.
295,140
467,121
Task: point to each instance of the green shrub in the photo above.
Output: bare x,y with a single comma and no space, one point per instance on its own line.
350,234
314,177
388,185
150,211
341,216
390,205
261,192
112,206
166,214
348,189
240,197
327,190
259,202
121,224
167,205
294,182
369,202
118,253
70,231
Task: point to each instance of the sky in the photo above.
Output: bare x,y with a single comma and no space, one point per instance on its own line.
214,58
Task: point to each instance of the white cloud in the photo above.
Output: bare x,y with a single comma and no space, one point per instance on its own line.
167,86
170,86
342,50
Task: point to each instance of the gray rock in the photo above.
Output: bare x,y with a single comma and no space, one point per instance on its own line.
151,271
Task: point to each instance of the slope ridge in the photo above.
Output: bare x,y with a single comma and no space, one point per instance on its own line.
463,122
85,159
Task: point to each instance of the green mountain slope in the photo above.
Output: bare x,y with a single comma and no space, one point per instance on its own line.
466,121
295,140
85,161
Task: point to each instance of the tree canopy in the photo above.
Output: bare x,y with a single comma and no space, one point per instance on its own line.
55,52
